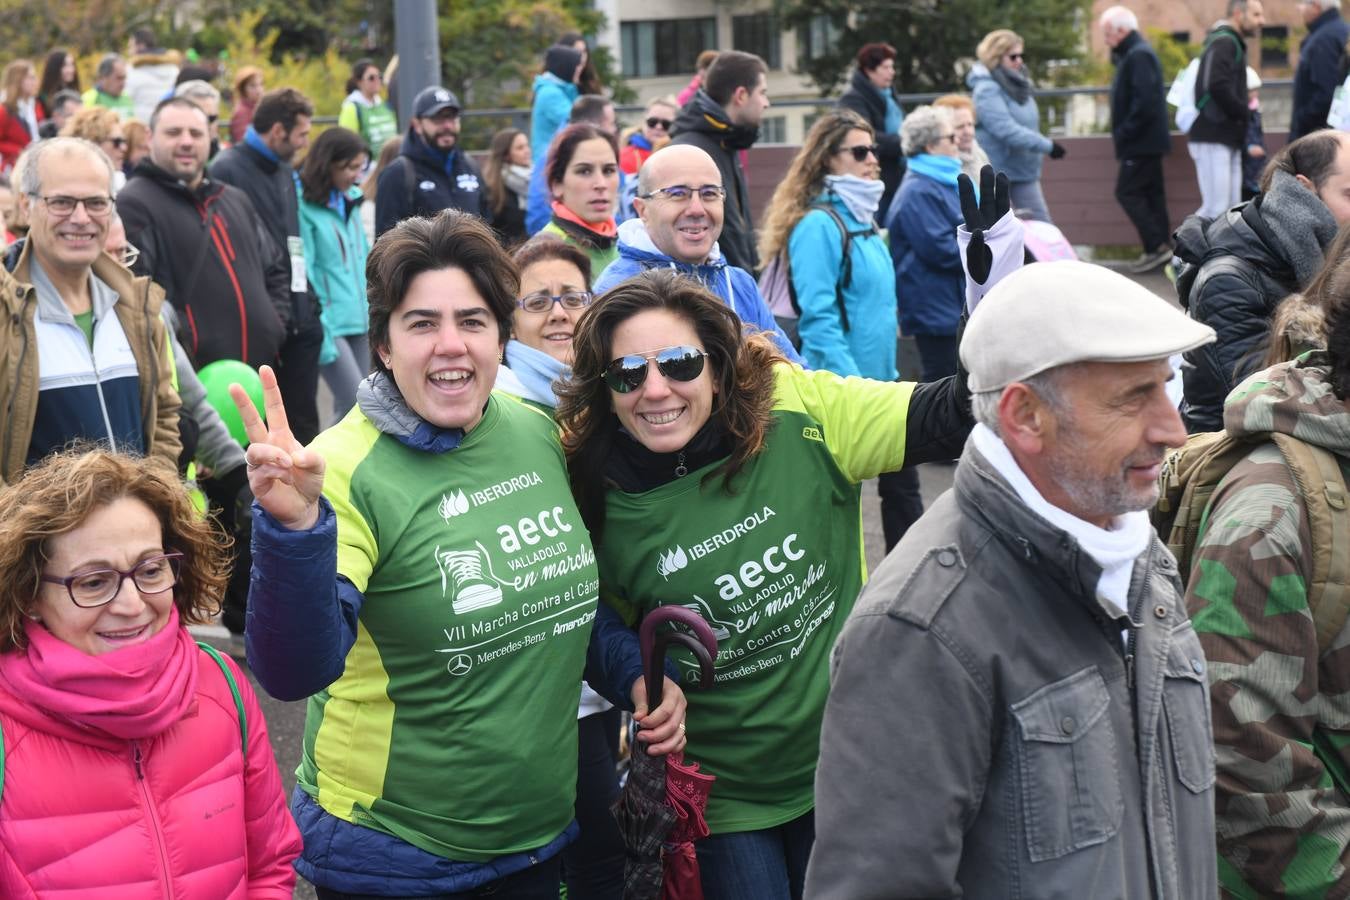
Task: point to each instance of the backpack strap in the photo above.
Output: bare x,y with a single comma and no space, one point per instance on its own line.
846,266
1317,474
234,691
1202,77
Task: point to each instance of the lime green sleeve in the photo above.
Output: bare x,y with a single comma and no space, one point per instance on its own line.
348,118
343,447
863,421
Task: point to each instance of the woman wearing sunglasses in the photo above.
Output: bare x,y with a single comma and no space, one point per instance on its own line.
136,765
102,126
847,324
422,574
650,136
582,172
923,220
714,475
1009,122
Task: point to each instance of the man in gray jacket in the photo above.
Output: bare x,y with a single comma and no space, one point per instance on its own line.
1018,704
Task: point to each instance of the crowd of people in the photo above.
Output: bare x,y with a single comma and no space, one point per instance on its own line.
585,379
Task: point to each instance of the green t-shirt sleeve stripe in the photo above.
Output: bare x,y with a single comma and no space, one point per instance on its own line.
863,420
343,448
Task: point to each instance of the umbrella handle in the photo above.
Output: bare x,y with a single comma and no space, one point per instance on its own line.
656,675
653,652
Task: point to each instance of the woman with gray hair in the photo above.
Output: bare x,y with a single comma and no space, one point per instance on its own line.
1008,120
922,221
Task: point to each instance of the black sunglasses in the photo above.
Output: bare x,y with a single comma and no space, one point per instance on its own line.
1015,57
859,152
654,122
681,363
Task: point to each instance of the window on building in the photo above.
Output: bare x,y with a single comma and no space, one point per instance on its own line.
1274,46
818,37
772,130
665,46
758,34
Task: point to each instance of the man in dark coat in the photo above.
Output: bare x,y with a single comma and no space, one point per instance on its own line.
205,244
431,173
1320,59
260,166
1140,134
1220,129
871,94
1237,268
722,120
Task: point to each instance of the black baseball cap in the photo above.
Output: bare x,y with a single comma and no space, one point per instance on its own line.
434,99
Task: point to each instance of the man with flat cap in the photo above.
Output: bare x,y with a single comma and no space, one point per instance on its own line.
431,172
1018,702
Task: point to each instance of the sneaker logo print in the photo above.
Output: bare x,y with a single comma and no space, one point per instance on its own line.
671,562
453,504
465,569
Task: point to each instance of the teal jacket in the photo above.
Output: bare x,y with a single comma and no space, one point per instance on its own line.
336,248
816,253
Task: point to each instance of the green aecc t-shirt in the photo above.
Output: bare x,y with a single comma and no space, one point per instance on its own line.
775,568
453,726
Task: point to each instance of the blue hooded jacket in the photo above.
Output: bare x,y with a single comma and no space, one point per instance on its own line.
552,105
815,250
736,287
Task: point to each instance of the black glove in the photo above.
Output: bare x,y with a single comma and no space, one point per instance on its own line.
992,206
1057,150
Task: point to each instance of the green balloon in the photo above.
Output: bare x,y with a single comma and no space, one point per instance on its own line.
217,378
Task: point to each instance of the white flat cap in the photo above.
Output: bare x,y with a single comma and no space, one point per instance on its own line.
1056,313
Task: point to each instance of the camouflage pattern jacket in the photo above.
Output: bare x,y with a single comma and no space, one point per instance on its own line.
1281,715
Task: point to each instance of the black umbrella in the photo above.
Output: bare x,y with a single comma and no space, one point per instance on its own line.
643,810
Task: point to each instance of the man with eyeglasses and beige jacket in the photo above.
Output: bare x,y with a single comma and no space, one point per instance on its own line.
89,360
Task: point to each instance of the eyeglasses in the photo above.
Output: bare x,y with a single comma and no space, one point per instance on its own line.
151,576
681,193
542,301
663,124
627,373
1015,57
859,152
372,76
61,205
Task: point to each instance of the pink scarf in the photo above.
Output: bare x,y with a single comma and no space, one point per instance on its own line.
133,693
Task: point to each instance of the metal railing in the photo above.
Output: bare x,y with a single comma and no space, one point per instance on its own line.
1080,110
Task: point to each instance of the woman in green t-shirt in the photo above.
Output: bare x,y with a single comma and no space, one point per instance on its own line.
715,475
582,171
422,575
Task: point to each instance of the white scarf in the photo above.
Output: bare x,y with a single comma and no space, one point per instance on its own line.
517,178
1114,549
862,196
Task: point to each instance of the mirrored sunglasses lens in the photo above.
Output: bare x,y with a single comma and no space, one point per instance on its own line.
626,374
680,363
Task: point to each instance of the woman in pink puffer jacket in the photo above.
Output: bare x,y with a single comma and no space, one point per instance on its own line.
124,771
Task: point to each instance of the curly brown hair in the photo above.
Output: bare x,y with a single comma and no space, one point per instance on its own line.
58,494
742,369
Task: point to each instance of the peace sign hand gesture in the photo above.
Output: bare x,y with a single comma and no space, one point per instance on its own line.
286,479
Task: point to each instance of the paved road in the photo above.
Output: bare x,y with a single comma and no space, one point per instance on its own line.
286,720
